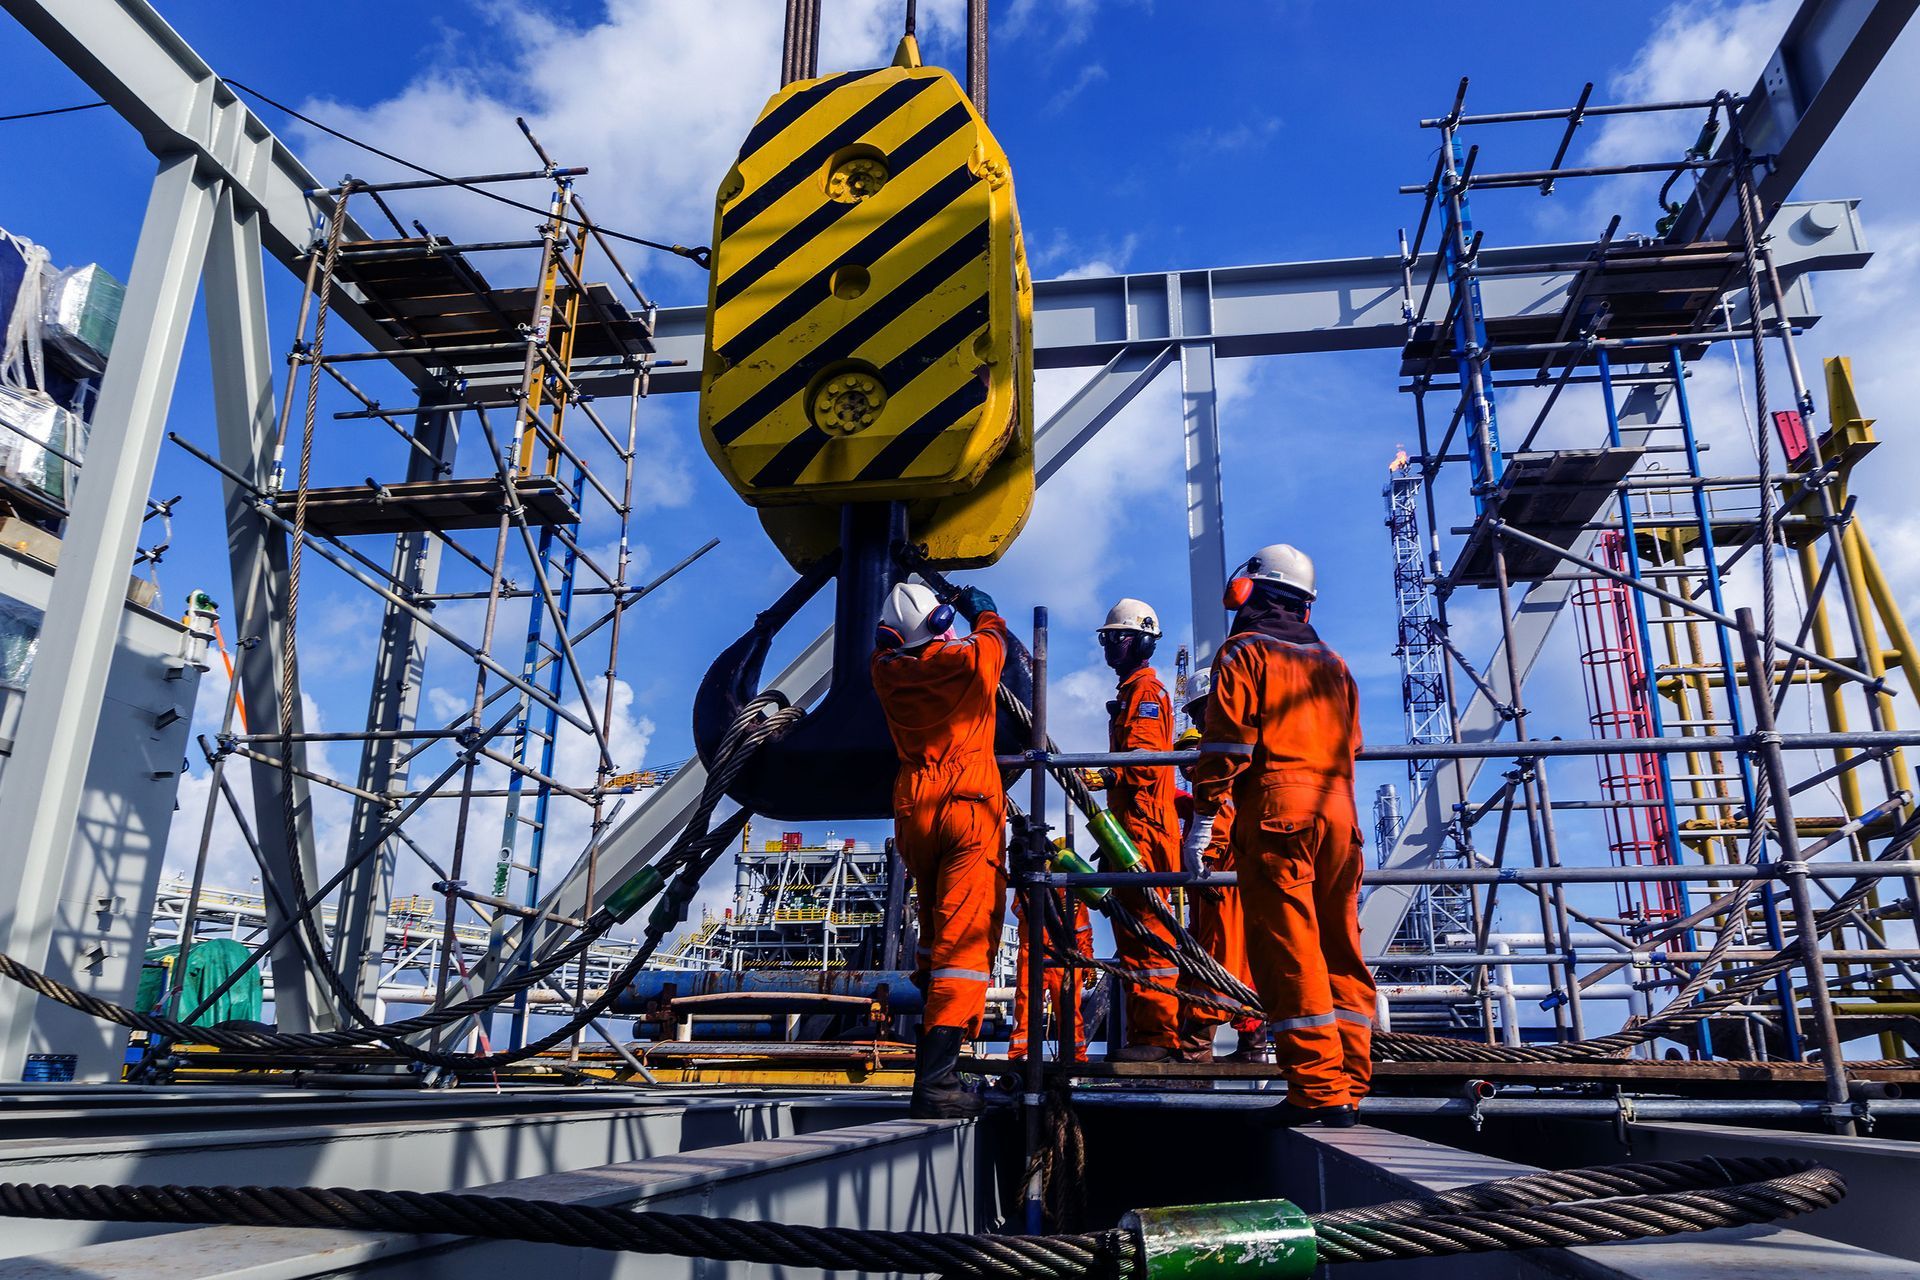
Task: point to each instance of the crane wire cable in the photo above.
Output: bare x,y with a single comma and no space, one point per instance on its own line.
764,719
1552,1209
697,254
50,111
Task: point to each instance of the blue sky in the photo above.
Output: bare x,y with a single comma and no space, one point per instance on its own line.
1143,136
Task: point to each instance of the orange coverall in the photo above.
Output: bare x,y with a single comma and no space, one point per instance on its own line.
1282,729
1142,720
950,810
1054,982
1218,924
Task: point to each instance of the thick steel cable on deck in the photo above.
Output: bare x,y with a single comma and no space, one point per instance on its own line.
1582,1206
763,719
1687,1007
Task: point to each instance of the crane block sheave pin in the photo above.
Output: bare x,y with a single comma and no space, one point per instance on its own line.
870,317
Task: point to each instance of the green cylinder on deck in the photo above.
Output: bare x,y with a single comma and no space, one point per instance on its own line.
633,895
1066,862
1115,844
1271,1239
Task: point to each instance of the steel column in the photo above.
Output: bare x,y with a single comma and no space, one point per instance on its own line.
393,704
1200,404
40,789
244,417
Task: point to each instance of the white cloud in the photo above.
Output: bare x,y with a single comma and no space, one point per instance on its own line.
1090,75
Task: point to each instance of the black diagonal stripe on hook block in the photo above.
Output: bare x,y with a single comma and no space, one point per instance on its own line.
905,449
817,223
792,109
808,161
910,218
846,340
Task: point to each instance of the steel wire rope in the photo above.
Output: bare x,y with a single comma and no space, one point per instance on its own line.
1553,1209
763,719
1679,1012
50,111
699,255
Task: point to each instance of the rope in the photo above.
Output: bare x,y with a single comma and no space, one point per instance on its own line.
1583,1206
1681,1011
762,720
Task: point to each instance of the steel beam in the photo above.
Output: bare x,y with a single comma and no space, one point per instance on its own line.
1200,414
1829,51
244,418
1284,308
41,787
125,52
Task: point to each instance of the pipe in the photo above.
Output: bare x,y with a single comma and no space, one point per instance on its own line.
1793,865
1877,870
1610,1109
1537,749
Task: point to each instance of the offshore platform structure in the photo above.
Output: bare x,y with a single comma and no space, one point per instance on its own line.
836,905
1439,916
1706,919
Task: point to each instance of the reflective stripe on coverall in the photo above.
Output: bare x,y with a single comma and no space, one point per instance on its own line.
1054,982
950,811
1282,729
1142,720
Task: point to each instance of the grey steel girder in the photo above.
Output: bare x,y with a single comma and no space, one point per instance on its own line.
40,791
393,704
1286,308
124,51
244,419
1830,49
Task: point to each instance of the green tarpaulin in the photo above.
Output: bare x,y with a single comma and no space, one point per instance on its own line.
208,965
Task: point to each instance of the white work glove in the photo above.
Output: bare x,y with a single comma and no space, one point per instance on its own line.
1199,836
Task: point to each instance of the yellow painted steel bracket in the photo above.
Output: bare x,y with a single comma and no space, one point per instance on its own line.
870,317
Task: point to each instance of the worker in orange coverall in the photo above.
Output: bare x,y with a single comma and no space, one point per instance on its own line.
1215,920
950,816
1141,719
1281,732
1055,981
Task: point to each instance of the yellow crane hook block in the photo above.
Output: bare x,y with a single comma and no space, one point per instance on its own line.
870,317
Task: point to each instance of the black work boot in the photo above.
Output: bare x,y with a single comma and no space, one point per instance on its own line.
1196,1041
1144,1053
1251,1047
937,1091
1291,1115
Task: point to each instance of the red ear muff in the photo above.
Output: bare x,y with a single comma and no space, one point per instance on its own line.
1238,592
940,619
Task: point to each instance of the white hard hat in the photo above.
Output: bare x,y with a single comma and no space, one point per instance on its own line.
1199,688
1282,565
914,614
1133,615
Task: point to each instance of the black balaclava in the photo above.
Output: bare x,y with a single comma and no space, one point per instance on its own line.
1127,651
1276,611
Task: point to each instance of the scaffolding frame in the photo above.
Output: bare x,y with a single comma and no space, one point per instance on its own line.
439,315
1641,545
